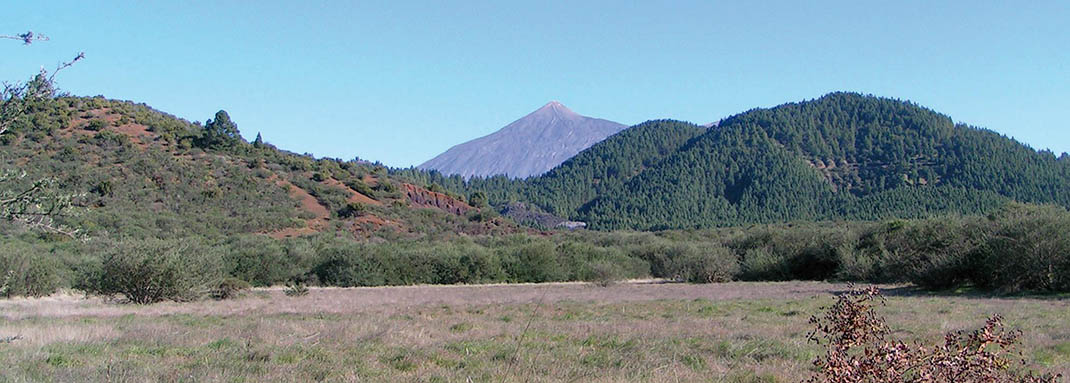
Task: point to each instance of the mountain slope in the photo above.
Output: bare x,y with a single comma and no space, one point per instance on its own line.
607,165
843,156
146,174
529,146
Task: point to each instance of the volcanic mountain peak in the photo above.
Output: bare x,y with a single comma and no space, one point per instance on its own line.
556,107
529,146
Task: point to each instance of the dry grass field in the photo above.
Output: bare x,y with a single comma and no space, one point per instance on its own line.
734,332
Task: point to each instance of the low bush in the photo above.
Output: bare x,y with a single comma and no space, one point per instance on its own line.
931,253
151,271
28,271
295,288
96,125
349,265
706,264
533,262
352,209
229,288
657,254
859,348
461,262
1026,248
760,264
603,274
360,187
261,260
1020,248
806,252
576,258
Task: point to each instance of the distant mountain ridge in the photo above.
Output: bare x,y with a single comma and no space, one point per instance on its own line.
526,147
843,156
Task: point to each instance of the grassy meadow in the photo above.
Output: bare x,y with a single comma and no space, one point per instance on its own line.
651,332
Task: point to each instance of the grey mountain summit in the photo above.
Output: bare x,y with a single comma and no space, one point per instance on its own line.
527,147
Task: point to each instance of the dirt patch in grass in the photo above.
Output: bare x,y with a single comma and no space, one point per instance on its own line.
139,134
308,203
354,196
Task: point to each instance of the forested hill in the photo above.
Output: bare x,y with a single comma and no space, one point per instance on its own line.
842,156
608,165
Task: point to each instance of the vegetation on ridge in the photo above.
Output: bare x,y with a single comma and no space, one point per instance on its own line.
843,156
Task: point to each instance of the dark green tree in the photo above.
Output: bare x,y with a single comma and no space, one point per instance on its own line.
478,199
220,132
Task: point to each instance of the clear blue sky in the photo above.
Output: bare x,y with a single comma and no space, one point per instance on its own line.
400,82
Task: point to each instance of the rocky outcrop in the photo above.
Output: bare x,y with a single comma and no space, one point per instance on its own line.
422,197
529,215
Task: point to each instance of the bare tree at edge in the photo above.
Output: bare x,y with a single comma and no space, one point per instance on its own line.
33,203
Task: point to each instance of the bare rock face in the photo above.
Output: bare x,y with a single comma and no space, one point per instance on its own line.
527,147
421,197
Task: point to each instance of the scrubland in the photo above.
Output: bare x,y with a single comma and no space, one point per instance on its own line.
634,331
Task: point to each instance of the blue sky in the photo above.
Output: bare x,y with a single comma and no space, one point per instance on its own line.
400,82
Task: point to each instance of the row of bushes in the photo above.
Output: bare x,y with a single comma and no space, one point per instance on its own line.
1021,248
153,270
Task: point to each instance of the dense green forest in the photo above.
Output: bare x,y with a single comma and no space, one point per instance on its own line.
843,156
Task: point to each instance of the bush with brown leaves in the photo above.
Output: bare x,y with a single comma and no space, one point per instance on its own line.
859,349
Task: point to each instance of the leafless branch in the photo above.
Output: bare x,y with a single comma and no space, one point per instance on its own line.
27,38
65,65
38,204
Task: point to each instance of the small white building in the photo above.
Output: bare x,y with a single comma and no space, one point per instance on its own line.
572,225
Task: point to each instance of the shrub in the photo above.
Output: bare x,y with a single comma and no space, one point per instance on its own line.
656,254
29,272
229,287
295,288
603,274
360,187
707,264
1026,248
575,258
858,348
855,264
352,209
96,125
762,265
260,260
151,271
482,215
795,252
386,187
455,262
932,253
534,262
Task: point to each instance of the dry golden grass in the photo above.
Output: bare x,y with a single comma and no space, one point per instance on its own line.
737,332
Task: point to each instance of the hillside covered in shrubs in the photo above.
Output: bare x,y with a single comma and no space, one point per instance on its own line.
141,173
